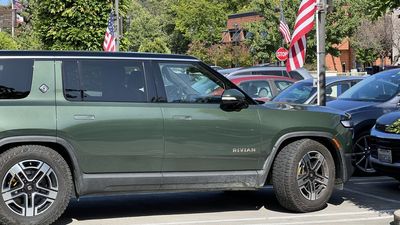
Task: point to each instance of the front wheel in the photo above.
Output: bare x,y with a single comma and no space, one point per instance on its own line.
36,185
362,153
303,176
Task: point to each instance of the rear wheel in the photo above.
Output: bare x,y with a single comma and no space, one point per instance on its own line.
36,185
303,176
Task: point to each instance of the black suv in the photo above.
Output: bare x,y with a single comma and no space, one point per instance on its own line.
385,144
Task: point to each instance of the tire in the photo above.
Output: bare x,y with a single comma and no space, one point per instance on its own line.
361,155
43,175
290,165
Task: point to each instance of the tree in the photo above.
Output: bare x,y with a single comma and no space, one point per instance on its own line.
200,20
6,42
380,7
158,45
72,25
379,42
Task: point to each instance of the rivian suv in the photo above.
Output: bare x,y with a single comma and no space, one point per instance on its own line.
75,124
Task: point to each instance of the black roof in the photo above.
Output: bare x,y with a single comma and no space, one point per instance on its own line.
93,54
245,14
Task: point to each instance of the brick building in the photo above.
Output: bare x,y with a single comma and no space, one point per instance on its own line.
235,31
5,17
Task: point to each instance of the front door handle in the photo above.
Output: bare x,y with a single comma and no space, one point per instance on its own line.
182,117
84,117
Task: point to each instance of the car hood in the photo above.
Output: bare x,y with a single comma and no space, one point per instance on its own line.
299,107
350,106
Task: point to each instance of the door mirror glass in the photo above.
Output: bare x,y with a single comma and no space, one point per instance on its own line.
233,100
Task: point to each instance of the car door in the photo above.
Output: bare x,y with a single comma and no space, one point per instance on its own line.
199,136
104,111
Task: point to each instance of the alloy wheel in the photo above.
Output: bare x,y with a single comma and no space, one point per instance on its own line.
312,175
362,152
29,188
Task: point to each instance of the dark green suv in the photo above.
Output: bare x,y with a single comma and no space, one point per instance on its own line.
76,123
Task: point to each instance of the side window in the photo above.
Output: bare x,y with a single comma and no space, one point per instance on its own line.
268,73
336,90
104,81
190,83
15,78
282,84
257,89
295,75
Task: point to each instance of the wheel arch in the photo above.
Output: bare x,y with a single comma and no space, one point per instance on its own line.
57,144
323,138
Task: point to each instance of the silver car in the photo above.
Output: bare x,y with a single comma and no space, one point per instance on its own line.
299,74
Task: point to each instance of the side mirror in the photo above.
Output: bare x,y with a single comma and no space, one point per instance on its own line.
233,100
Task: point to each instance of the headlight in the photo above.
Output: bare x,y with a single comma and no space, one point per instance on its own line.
346,121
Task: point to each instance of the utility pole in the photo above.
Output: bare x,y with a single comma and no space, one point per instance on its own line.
117,33
283,39
321,35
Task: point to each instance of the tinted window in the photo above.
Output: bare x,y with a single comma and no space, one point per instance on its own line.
282,84
296,75
335,90
104,80
299,92
378,88
15,78
268,73
190,83
257,89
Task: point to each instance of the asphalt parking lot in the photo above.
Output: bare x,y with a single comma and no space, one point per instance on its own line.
365,200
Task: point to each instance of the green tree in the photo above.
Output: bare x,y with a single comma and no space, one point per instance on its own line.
6,42
378,8
158,45
200,20
72,25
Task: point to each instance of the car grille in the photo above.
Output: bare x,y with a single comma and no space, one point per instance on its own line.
389,144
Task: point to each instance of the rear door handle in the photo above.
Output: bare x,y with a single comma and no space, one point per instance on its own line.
181,117
84,117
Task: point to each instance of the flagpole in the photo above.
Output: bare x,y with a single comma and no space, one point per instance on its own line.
283,40
12,19
117,26
321,35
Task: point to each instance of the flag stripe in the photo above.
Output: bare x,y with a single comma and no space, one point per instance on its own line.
304,24
109,37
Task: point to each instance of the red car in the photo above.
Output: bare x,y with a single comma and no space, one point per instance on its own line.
262,88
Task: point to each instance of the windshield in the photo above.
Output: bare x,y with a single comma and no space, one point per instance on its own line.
299,93
377,88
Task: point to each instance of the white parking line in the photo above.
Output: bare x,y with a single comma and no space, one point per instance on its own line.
332,214
331,221
377,182
372,196
209,221
370,178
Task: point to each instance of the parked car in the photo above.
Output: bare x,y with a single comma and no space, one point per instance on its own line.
305,92
367,101
299,74
385,145
217,68
95,123
262,88
225,72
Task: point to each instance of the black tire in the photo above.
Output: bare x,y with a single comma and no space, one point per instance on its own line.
286,171
57,177
361,155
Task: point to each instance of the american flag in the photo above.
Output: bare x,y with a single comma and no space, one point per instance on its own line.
284,28
109,39
304,24
16,4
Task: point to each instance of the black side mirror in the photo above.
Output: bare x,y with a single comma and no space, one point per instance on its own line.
233,100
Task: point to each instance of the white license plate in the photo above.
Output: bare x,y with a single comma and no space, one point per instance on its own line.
385,155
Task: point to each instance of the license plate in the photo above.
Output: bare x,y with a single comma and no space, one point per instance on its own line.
385,155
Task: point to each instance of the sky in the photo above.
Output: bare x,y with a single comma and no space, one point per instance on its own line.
4,2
